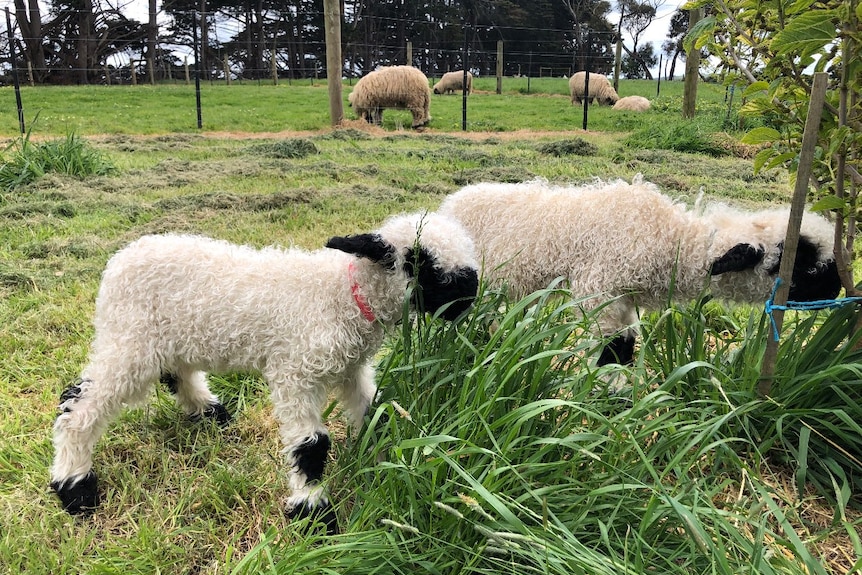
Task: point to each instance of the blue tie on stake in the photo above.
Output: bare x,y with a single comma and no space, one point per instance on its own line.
802,305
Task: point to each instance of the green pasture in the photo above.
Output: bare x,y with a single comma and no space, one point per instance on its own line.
495,446
304,106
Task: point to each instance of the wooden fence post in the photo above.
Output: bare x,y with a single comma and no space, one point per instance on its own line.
692,65
334,64
797,207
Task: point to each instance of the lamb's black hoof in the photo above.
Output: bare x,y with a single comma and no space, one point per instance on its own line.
320,513
216,412
80,497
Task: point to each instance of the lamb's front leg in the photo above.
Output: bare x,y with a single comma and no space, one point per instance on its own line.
298,405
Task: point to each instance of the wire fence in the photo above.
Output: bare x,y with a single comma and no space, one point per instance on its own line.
231,53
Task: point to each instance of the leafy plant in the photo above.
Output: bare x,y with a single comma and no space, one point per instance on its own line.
24,162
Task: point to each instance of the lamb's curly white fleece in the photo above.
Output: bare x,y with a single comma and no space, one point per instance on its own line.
615,239
182,305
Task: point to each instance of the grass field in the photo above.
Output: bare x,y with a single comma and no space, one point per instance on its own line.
301,106
510,461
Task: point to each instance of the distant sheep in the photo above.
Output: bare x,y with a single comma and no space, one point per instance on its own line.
632,104
402,87
630,243
452,81
172,306
600,87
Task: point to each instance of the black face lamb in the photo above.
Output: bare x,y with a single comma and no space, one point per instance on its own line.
630,244
171,307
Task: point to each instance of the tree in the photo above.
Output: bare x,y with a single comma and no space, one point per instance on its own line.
591,15
673,46
772,46
634,64
82,35
637,16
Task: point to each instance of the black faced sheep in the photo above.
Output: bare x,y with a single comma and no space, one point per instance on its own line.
172,307
600,89
634,244
403,87
452,81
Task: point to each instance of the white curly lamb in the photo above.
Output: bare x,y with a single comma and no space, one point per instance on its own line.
630,242
171,307
600,89
452,81
632,104
403,87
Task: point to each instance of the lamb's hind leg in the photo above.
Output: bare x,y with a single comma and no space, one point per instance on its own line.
357,392
193,394
86,410
298,405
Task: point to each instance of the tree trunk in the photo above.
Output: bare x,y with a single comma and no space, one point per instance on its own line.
85,33
152,39
205,40
692,65
30,21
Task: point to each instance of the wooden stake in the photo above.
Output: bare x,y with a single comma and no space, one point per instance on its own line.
797,207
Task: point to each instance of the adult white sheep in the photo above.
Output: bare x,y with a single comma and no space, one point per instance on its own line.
452,81
630,242
632,104
600,89
403,87
170,307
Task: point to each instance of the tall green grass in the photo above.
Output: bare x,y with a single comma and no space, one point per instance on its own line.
23,161
497,449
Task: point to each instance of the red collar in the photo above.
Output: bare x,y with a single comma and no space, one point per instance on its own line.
360,300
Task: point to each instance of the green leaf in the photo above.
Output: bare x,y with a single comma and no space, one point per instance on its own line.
702,30
829,202
762,157
780,159
761,136
806,34
754,88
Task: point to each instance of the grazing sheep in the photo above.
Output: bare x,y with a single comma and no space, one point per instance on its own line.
632,103
630,242
601,89
452,81
392,87
171,307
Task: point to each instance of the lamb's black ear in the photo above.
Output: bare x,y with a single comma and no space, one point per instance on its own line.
370,246
739,258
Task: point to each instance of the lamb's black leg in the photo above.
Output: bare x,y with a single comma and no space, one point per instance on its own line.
215,411
310,460
621,350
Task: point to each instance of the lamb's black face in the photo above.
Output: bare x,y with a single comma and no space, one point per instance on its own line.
437,289
812,279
